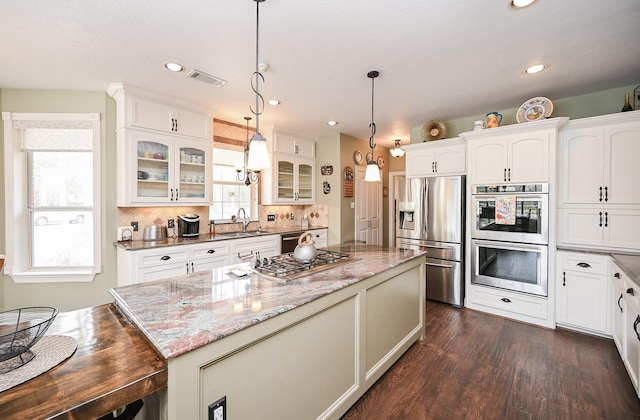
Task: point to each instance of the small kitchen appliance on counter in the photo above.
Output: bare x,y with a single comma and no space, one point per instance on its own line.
154,233
189,225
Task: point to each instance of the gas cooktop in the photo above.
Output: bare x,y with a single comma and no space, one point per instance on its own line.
284,267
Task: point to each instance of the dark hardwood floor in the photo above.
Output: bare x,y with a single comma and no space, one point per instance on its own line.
477,366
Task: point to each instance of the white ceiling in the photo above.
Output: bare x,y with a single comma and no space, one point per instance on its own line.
437,59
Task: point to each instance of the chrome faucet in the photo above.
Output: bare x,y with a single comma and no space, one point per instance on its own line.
245,221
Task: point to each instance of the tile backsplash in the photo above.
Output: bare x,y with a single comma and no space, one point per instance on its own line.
317,215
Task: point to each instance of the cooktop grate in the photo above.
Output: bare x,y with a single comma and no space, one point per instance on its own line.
285,266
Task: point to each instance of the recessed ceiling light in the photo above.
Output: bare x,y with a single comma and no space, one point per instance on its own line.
519,4
174,66
332,123
536,68
274,102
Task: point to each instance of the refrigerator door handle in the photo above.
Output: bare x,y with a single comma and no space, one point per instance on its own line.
424,203
440,265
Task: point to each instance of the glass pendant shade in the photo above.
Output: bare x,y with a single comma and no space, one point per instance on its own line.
258,154
373,172
397,151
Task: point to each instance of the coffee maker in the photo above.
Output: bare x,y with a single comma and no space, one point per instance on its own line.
189,225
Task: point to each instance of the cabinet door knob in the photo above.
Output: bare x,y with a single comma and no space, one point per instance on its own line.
583,265
165,258
506,300
617,275
631,291
211,251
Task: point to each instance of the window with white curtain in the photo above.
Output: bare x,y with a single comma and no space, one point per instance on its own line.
53,196
229,194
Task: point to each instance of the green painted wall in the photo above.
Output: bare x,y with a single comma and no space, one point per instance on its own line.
68,296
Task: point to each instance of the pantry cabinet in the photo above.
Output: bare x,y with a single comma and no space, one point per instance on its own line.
510,154
599,160
291,177
436,158
582,285
163,150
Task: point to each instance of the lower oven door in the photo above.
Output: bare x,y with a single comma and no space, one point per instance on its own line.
512,266
444,281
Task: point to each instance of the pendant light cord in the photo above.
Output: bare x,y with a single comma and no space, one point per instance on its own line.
372,75
256,87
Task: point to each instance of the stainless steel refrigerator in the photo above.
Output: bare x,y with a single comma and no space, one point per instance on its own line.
430,216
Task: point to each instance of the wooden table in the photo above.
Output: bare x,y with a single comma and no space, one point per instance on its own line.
113,366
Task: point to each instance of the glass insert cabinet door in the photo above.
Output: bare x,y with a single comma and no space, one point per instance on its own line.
285,180
192,173
305,182
153,167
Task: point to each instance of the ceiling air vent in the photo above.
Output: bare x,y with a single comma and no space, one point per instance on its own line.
206,78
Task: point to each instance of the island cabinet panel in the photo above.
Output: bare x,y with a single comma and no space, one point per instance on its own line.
314,361
311,363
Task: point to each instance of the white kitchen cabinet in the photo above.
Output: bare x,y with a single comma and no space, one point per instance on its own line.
515,153
293,145
168,261
437,158
599,160
631,356
138,108
619,306
291,177
248,249
608,227
520,306
290,180
319,237
583,289
160,169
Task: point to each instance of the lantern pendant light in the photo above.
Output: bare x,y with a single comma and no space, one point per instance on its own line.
373,172
258,154
245,174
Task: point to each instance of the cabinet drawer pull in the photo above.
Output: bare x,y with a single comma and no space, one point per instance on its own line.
165,258
630,291
211,251
620,306
635,326
600,198
583,265
506,300
249,255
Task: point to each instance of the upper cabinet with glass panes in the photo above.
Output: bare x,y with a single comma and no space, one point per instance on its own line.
164,152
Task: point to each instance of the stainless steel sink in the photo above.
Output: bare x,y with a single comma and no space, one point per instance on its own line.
242,234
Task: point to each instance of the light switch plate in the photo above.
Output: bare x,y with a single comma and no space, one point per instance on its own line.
125,233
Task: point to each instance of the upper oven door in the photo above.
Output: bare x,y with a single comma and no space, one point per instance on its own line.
530,224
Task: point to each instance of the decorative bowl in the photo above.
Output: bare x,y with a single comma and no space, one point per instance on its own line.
20,329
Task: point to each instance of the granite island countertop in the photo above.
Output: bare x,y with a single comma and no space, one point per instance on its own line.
183,313
630,264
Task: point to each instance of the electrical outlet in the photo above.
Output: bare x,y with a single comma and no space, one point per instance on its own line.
292,216
135,226
271,217
171,223
218,409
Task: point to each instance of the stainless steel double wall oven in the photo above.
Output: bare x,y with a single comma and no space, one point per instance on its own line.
511,254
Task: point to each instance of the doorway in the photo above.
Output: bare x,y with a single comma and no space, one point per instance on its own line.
368,211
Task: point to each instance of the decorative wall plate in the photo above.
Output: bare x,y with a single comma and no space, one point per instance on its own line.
433,130
369,157
358,157
534,109
380,162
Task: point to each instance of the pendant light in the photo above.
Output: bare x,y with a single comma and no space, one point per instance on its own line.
245,174
397,151
258,158
373,172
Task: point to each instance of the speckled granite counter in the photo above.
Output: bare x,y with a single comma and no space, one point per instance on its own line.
183,313
138,245
630,264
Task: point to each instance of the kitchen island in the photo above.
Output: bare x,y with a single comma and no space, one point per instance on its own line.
305,348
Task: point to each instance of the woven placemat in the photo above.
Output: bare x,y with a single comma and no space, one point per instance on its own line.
49,352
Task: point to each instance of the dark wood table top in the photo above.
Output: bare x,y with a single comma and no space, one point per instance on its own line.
113,366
